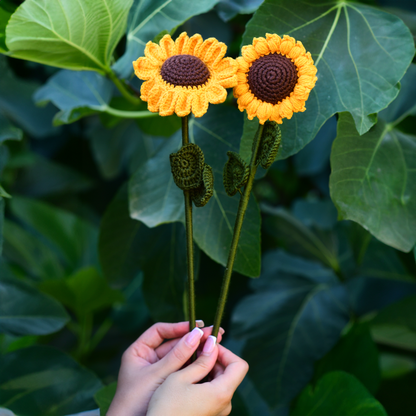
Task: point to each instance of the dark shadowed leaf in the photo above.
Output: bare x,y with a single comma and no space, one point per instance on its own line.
1,223
340,36
305,308
68,34
355,353
8,131
148,18
373,179
6,10
227,9
26,311
42,381
337,393
155,199
105,396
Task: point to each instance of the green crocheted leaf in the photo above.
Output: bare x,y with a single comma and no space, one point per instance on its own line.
187,167
270,143
236,173
204,192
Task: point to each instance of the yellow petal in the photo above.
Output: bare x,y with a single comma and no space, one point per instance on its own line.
183,103
193,45
286,109
240,90
199,103
180,43
302,61
167,46
229,82
226,69
287,44
245,100
241,77
215,53
275,116
274,42
216,94
154,53
307,70
252,109
297,104
144,68
264,112
307,81
205,47
243,64
296,51
261,46
300,92
167,102
249,53
146,88
154,98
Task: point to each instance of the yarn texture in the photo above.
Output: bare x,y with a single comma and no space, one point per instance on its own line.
275,76
186,75
235,174
201,195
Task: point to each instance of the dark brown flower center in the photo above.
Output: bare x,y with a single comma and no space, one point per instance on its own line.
272,78
184,70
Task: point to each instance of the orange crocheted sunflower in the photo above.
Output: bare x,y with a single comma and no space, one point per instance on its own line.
186,75
275,77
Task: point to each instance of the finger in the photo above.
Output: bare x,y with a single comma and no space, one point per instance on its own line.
164,349
179,354
217,370
161,331
235,369
203,365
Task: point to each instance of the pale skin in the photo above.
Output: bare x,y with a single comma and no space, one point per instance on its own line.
155,380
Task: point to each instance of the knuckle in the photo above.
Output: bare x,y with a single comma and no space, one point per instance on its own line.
178,354
203,365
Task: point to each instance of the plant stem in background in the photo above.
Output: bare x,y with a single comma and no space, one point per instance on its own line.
242,207
189,238
123,89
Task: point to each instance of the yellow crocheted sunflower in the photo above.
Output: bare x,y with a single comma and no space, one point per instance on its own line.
186,75
275,77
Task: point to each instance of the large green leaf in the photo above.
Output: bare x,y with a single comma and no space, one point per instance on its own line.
26,311
42,381
337,393
361,54
355,353
227,9
105,396
155,199
148,18
68,33
305,308
1,223
6,10
128,247
8,131
399,313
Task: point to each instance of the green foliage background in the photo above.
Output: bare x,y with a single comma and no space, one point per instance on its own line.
323,300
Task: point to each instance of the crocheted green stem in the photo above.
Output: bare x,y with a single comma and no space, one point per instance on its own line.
189,238
242,207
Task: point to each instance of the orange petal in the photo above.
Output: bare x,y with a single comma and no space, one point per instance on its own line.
154,53
307,81
241,77
154,98
183,103
296,51
307,70
252,109
287,44
180,43
205,47
215,53
302,61
300,92
229,82
216,94
167,102
199,103
274,42
261,46
245,100
264,112
167,46
144,68
240,90
275,116
286,109
243,64
297,104
193,45
146,88
249,53
226,68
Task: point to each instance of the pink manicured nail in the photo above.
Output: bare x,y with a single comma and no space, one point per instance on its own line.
193,337
209,345
221,330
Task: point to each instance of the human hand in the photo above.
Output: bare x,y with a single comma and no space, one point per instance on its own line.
147,363
181,395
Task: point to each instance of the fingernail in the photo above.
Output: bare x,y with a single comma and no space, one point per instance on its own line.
193,337
200,323
209,345
221,330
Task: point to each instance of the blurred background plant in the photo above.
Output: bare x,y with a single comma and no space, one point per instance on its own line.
93,245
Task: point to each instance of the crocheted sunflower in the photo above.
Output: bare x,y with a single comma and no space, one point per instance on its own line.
186,75
275,77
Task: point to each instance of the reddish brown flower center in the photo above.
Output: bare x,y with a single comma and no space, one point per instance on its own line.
272,78
184,70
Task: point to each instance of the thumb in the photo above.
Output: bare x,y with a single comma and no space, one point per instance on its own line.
180,353
204,364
